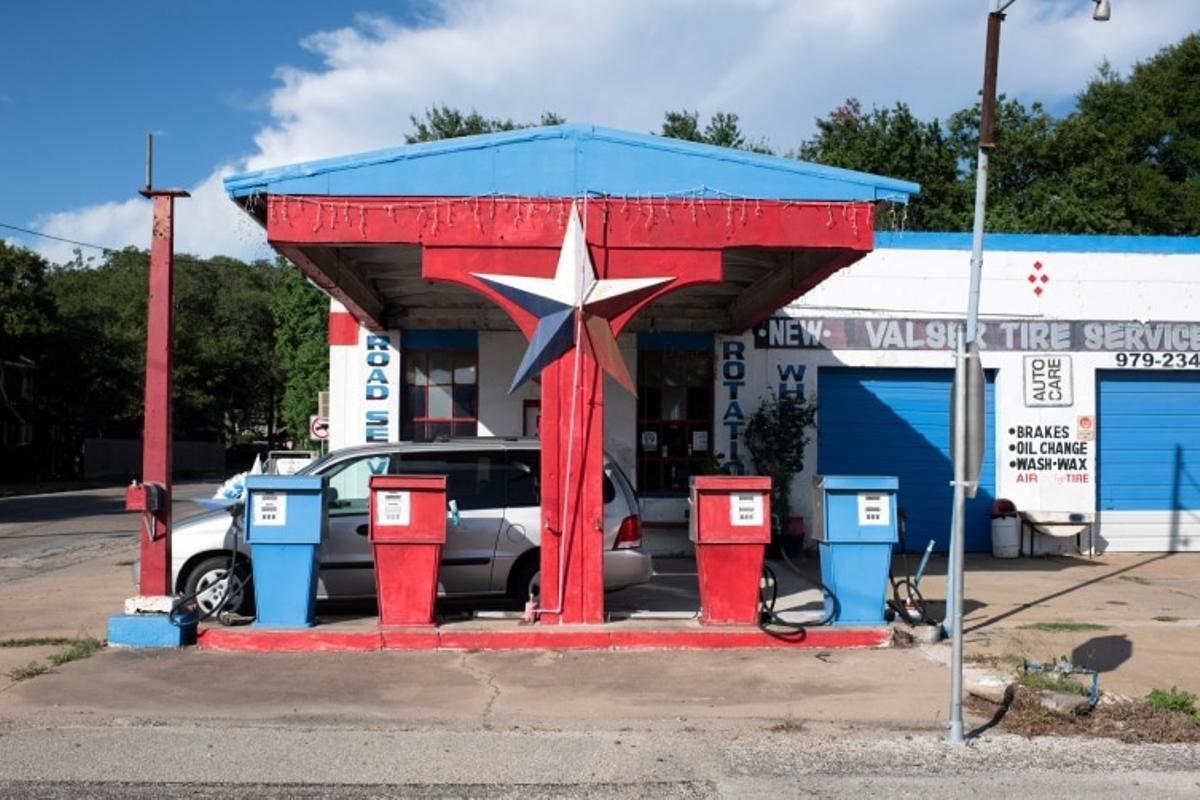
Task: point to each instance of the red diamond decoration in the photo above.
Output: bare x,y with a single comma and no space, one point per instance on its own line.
1033,278
1037,265
1045,278
1038,291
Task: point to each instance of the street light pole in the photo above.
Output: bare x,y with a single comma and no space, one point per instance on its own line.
968,349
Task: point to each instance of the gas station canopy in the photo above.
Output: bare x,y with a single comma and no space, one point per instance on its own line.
376,230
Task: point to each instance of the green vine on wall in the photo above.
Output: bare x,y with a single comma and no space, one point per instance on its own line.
776,436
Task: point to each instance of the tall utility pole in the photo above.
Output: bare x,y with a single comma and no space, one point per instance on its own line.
967,403
154,575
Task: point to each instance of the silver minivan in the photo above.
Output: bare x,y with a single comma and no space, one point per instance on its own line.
492,537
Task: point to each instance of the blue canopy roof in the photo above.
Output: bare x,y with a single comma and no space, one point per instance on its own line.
569,161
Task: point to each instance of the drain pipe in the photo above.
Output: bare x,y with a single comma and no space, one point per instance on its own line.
567,533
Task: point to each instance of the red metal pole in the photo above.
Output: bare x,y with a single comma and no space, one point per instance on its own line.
154,577
575,448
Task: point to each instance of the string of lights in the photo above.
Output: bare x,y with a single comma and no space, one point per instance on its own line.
434,214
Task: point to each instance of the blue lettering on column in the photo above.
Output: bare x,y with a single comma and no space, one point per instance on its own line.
791,379
733,378
379,355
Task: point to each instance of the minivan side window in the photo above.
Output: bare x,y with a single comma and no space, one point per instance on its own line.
525,478
350,480
524,487
474,479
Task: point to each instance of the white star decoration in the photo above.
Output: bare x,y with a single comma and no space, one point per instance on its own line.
573,300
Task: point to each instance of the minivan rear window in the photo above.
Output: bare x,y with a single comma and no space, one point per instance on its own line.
524,487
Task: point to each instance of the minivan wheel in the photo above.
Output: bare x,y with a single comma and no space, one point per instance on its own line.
526,579
207,581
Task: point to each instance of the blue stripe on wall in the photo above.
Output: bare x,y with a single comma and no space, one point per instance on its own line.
1040,243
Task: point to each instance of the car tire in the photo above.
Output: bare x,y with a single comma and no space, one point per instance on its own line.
526,578
206,579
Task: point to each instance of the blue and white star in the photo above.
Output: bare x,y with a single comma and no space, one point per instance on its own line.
573,305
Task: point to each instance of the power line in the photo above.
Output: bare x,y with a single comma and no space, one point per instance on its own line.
57,238
100,247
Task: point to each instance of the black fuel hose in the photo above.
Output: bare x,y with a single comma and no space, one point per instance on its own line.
180,614
773,624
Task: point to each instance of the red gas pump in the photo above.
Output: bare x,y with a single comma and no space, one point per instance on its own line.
407,529
730,525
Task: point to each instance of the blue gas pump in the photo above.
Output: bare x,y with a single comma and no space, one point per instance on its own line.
855,532
286,519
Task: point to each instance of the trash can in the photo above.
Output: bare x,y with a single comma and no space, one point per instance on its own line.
407,528
286,519
856,530
730,525
1006,530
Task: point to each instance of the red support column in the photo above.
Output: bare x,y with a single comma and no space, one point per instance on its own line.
573,462
154,577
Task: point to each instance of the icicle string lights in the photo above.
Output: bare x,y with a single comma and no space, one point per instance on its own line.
433,215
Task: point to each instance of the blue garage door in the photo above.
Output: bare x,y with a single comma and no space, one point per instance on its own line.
896,422
1148,457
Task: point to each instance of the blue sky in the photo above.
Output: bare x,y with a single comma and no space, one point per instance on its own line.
233,86
82,83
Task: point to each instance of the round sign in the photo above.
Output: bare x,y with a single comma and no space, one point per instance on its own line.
318,428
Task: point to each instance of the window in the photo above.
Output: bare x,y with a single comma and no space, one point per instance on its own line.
474,480
675,391
440,394
350,480
525,475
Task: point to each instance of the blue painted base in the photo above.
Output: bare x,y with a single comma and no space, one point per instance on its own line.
856,573
150,630
285,584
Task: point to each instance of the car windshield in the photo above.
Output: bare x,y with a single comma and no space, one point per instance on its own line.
317,464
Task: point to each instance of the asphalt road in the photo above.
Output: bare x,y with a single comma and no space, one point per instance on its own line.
38,528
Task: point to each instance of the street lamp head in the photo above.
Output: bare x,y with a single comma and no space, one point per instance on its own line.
1103,11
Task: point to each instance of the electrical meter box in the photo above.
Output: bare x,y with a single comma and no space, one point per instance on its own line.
730,524
407,528
286,519
855,530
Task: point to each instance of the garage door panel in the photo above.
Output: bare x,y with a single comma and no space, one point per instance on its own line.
1148,460
896,422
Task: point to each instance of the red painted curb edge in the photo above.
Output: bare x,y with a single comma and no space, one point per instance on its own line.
315,640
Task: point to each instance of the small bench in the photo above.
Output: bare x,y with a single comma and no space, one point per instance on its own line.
1059,524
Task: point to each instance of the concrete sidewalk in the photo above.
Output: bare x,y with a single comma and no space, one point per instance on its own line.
1134,617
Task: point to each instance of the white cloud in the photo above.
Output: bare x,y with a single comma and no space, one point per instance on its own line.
206,223
777,63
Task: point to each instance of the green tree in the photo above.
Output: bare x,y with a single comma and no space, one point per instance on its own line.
26,306
722,130
223,375
1023,171
1131,150
894,142
27,324
443,122
301,313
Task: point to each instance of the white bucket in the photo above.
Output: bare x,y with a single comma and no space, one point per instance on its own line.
1006,537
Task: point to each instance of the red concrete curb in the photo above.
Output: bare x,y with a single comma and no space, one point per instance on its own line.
257,640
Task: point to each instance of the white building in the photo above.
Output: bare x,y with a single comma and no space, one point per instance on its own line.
1091,347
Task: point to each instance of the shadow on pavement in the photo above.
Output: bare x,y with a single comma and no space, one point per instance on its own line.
1061,593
